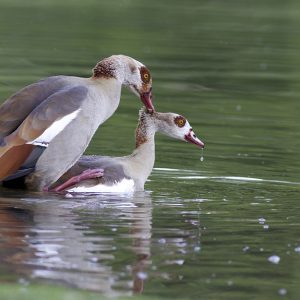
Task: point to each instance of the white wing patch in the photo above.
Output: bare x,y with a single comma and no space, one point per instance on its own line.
51,132
124,186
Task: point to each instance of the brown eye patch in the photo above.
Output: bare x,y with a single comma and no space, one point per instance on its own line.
145,75
180,121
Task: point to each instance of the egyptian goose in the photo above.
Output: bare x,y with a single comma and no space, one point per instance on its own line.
103,173
63,113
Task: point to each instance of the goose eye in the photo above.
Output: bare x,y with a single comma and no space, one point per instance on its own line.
180,121
145,75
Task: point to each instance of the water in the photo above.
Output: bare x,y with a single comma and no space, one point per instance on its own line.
223,228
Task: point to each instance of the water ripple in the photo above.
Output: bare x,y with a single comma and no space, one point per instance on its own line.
194,175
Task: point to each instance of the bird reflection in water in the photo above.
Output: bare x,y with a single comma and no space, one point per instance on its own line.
79,241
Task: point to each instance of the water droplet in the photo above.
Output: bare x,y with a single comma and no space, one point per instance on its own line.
23,281
274,259
182,251
246,248
94,259
197,249
282,292
229,282
165,276
162,241
128,268
201,157
261,220
238,107
179,262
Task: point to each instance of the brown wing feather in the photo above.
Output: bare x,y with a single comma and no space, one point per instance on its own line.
13,159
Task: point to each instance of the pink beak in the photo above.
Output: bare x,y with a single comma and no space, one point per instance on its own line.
147,100
192,138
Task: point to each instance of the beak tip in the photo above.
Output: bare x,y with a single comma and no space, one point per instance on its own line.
147,100
195,141
150,110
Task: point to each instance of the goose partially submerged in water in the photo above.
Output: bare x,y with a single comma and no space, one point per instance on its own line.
63,113
127,172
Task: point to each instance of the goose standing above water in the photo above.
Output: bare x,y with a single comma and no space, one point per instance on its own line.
134,168
63,112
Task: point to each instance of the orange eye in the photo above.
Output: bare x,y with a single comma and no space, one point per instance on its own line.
180,121
145,75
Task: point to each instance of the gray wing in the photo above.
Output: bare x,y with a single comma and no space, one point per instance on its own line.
113,170
54,108
16,108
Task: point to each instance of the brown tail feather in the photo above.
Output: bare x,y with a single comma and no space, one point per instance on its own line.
12,159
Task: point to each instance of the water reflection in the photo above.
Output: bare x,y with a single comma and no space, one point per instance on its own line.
191,233
74,240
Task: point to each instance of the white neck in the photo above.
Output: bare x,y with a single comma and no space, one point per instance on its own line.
140,163
106,89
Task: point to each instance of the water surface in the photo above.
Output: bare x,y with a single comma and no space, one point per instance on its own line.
224,228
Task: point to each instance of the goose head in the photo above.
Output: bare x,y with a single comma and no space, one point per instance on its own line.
170,124
130,73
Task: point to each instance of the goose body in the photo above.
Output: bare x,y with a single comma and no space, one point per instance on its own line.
63,113
128,172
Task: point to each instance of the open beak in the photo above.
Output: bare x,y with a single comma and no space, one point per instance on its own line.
192,138
147,100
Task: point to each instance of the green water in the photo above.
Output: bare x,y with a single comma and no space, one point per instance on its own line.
201,230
